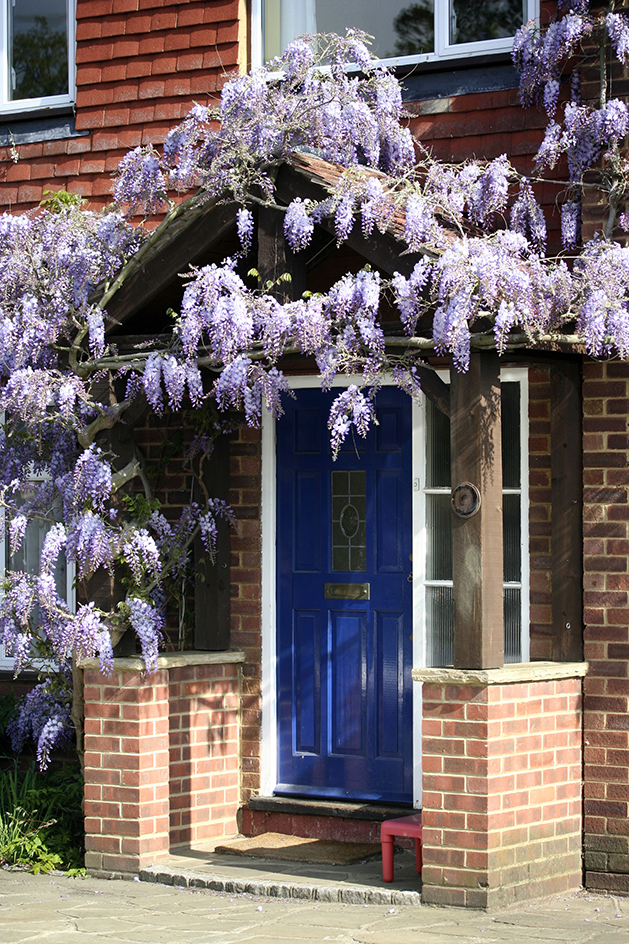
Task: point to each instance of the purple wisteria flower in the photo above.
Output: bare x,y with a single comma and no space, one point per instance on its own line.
527,217
96,325
147,621
420,225
140,184
44,717
92,480
141,555
17,530
409,294
298,225
539,56
89,543
244,224
344,218
618,29
350,408
571,223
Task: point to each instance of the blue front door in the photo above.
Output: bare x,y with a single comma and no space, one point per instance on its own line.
344,603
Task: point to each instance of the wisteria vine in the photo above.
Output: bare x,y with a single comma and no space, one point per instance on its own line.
477,239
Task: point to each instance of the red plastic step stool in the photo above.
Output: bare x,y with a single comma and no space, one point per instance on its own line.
406,826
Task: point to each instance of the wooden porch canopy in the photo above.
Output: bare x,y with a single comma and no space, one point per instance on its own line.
472,400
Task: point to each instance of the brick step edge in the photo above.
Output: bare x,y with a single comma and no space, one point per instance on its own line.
327,893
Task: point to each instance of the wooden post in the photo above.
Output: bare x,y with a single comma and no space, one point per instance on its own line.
566,511
477,562
275,258
212,610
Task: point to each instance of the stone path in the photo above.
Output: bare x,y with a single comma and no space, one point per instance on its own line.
52,909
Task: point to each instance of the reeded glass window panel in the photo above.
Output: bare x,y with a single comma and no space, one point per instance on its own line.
27,558
38,53
439,626
473,21
399,28
437,447
511,538
510,435
348,526
513,624
438,537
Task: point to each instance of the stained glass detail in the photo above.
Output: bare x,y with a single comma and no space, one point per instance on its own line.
349,530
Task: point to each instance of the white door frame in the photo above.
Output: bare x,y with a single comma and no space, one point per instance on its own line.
268,773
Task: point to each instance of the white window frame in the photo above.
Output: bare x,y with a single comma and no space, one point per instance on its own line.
444,50
420,491
7,663
25,105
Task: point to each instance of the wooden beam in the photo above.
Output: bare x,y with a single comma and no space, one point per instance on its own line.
566,510
477,562
212,609
190,238
437,391
275,258
380,249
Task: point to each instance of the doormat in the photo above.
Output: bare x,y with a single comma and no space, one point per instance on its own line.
298,849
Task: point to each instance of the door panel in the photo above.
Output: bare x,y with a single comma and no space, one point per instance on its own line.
344,685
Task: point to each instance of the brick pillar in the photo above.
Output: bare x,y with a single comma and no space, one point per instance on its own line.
162,757
126,769
501,783
606,586
204,752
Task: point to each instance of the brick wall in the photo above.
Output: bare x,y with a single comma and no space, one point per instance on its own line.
140,65
126,770
501,790
246,582
161,758
606,581
204,703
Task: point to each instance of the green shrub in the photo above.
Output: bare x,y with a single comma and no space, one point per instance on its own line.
41,819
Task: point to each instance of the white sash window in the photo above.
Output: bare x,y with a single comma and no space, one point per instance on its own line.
37,69
404,31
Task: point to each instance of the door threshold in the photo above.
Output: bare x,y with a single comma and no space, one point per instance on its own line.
347,809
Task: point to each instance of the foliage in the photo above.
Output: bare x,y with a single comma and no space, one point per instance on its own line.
476,235
41,820
44,716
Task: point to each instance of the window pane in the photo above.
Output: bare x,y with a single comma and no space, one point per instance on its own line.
39,49
348,525
510,434
439,625
512,549
438,537
513,625
28,556
399,28
473,21
437,447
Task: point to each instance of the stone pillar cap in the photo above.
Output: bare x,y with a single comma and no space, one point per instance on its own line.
172,660
513,673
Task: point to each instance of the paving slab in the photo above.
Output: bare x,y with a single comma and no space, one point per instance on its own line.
54,909
361,883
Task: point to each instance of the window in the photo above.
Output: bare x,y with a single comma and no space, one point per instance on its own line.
27,559
404,31
436,581
37,54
